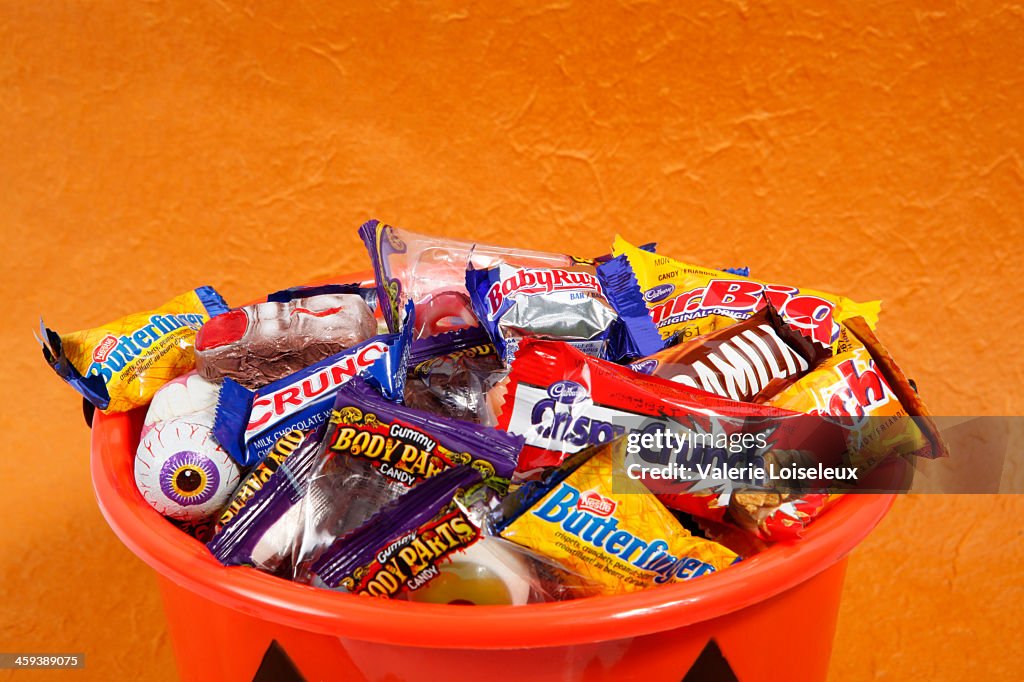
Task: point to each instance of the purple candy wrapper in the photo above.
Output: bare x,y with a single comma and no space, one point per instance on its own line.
388,373
471,341
428,508
450,374
262,520
373,451
637,335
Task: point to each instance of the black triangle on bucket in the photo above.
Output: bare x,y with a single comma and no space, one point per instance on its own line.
277,666
710,666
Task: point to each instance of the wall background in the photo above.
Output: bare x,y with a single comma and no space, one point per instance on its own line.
871,148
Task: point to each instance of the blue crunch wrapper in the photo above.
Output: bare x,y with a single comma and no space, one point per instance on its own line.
249,422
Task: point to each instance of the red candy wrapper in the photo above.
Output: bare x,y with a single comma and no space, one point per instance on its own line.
562,401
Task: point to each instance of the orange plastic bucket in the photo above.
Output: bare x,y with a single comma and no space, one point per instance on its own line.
771,617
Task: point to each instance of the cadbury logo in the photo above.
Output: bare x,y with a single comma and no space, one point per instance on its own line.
658,293
567,392
645,366
595,503
104,347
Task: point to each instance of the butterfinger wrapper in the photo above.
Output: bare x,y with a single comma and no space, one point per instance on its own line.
588,515
120,365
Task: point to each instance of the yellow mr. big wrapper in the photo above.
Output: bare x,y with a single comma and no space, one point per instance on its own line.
622,539
120,365
690,300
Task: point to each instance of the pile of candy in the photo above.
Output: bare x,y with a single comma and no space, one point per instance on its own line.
457,431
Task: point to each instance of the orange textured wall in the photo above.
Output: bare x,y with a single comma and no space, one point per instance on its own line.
870,147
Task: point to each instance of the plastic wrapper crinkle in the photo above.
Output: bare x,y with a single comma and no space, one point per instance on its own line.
431,272
450,374
263,517
261,343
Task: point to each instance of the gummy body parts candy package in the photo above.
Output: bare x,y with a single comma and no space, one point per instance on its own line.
373,451
432,545
120,365
450,374
262,519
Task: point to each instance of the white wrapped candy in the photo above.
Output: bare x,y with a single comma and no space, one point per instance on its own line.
189,394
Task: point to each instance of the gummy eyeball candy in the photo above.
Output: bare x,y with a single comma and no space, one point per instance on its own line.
182,472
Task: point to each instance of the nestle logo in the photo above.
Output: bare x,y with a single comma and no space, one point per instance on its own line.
659,292
595,503
567,392
104,348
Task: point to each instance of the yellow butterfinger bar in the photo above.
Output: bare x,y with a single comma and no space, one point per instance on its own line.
118,366
621,539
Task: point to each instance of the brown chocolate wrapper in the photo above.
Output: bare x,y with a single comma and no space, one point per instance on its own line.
750,360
